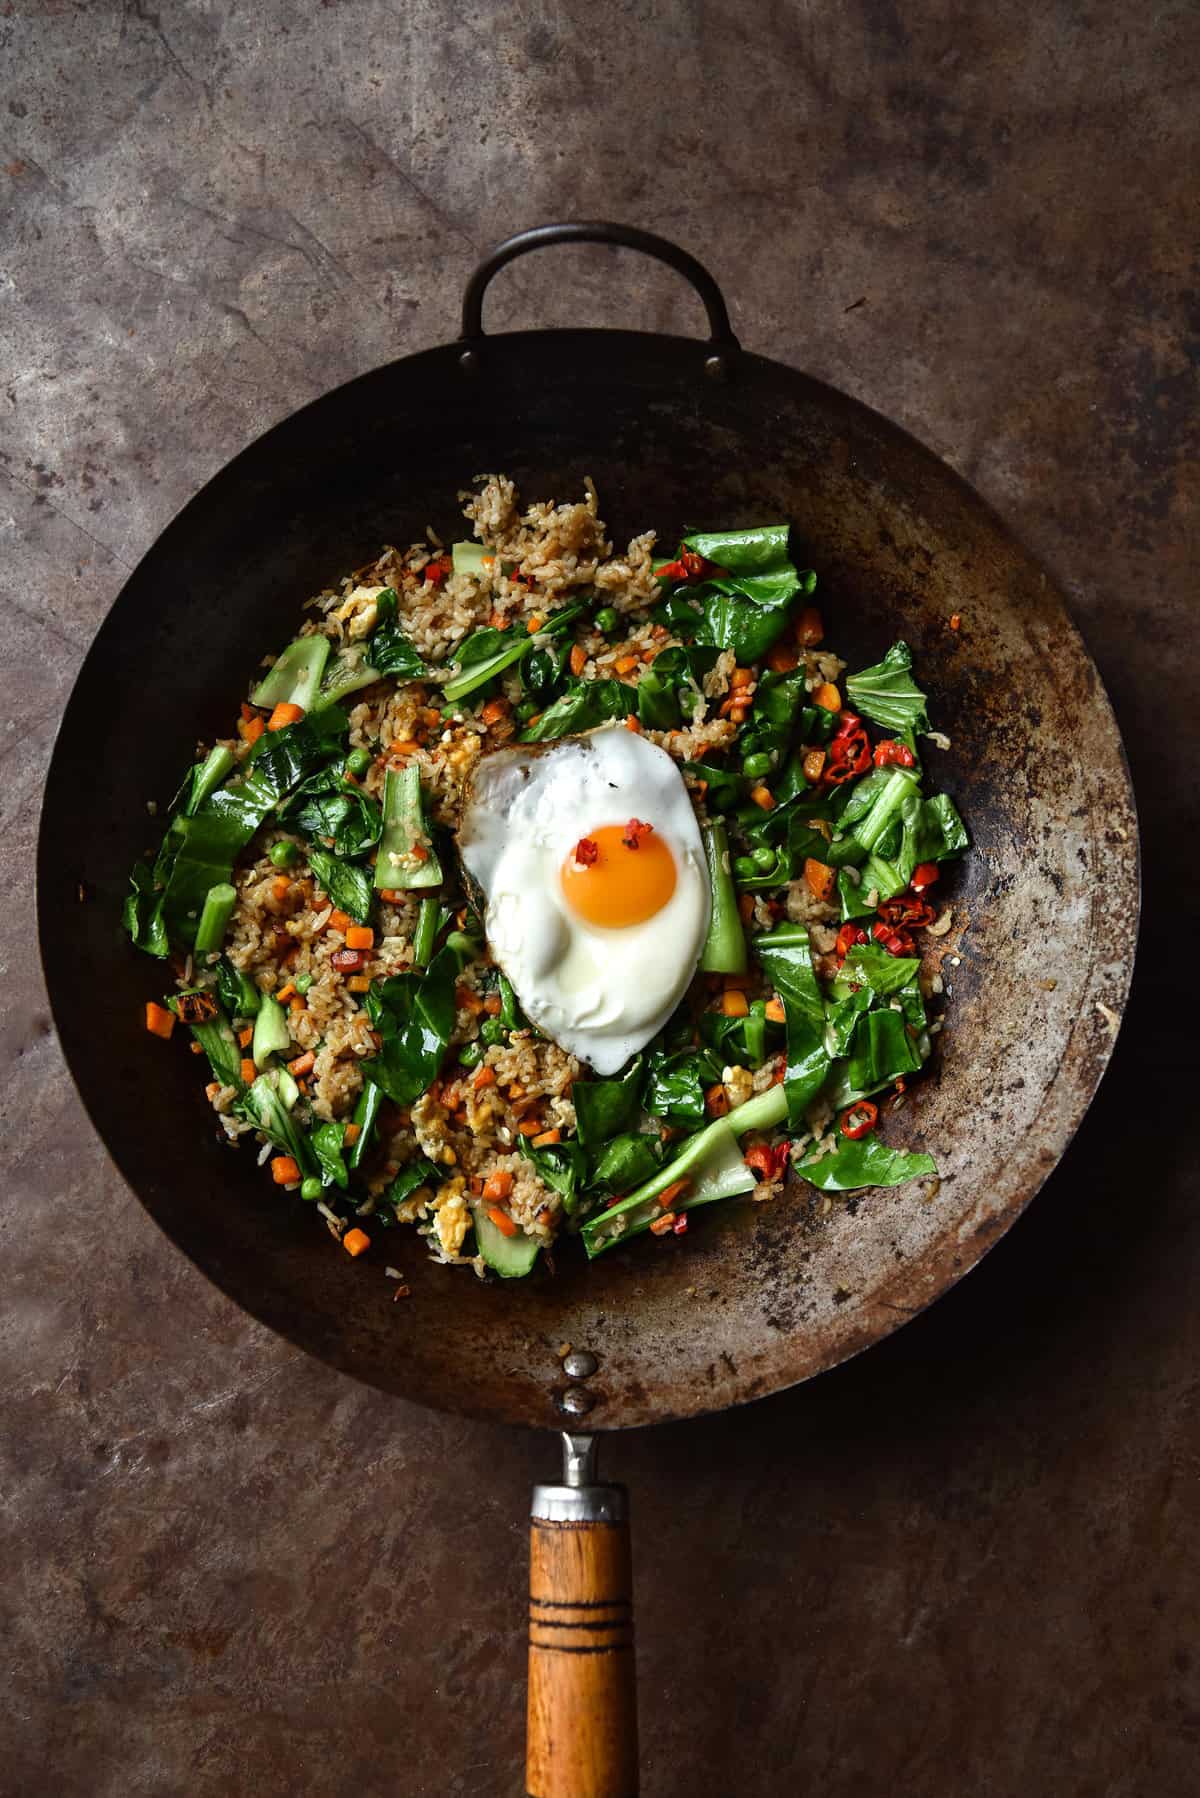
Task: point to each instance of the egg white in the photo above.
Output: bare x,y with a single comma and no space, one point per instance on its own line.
600,993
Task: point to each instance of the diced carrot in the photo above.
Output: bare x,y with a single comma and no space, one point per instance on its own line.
578,658
196,1048
502,1221
246,1037
742,677
495,710
783,659
648,655
625,664
303,1064
248,712
535,624
159,1021
547,1136
632,724
763,797
390,896
285,992
251,729
819,877
515,1089
419,852
359,983
285,713
662,1226
775,1011
295,1004
813,765
716,1101
734,1003
498,1186
338,920
467,999
737,714
355,1241
284,1169
491,1005
484,1077
360,936
498,621
529,1126
281,886
828,697
403,746
669,1194
211,1090
536,719
352,1134
810,628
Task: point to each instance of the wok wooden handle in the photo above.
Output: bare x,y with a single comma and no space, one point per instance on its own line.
582,1712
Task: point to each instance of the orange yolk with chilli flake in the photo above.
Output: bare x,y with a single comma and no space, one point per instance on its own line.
618,885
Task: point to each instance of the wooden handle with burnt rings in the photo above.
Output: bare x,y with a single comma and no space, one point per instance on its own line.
582,1714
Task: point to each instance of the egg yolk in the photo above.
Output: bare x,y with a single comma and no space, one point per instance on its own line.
618,886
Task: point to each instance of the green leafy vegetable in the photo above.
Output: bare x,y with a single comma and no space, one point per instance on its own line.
627,1161
263,1105
296,676
487,652
941,833
867,1162
349,887
327,1141
887,693
562,1165
675,1084
414,1016
406,856
786,956
605,1108
724,949
584,705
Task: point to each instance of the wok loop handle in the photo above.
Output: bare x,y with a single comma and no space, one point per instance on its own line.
581,1736
722,342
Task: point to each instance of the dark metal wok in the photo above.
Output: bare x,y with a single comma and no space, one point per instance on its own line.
675,432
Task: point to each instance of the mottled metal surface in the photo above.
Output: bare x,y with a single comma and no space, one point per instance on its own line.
962,1564
901,545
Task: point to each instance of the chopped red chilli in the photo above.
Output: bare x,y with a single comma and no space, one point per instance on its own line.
860,1120
634,833
892,754
585,852
848,937
679,1227
924,875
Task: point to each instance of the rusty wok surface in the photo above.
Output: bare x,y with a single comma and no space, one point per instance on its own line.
1045,908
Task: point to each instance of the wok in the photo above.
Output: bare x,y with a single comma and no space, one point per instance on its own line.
676,432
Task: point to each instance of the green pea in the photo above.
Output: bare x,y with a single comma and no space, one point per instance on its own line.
358,762
763,857
284,854
745,867
311,1189
755,766
470,1055
302,982
492,1030
606,620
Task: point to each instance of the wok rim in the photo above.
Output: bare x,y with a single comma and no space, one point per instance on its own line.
1121,949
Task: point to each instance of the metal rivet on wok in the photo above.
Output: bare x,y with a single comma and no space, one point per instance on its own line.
714,368
469,362
580,1364
577,1400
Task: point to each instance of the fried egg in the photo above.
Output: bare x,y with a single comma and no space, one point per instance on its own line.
596,894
